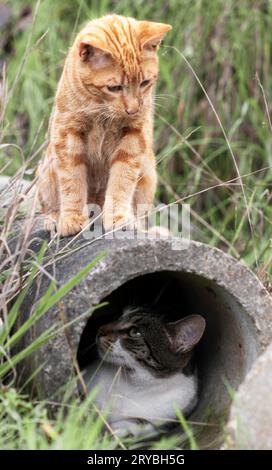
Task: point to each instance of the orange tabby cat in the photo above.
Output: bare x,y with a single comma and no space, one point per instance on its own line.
101,130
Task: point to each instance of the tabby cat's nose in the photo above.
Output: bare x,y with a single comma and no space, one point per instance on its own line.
101,332
105,331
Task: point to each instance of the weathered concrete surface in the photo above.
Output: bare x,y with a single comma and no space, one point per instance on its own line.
250,424
235,304
10,188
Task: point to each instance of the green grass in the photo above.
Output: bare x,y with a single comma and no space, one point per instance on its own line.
25,425
226,43
217,55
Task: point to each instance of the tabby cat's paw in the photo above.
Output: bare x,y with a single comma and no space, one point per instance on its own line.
126,429
71,224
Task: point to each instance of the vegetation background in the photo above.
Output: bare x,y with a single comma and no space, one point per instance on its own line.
213,140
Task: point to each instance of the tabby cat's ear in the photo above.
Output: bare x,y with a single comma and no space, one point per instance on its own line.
186,333
91,50
151,34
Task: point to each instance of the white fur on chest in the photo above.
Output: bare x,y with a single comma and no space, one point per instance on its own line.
95,143
152,399
102,141
97,161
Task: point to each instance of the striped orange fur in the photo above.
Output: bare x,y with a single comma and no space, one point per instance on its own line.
101,129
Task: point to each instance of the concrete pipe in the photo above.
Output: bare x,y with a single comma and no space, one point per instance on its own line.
199,279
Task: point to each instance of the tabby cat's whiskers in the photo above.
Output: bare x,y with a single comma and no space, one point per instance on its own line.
143,377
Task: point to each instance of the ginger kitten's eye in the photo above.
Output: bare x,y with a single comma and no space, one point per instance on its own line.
144,83
115,88
134,332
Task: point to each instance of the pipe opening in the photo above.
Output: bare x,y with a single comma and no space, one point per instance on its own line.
224,354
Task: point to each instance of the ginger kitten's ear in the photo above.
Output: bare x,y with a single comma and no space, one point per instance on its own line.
186,333
91,50
151,34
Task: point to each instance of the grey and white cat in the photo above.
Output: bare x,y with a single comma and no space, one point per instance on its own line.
144,373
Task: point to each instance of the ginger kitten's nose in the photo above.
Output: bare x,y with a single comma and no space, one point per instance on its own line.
132,107
132,110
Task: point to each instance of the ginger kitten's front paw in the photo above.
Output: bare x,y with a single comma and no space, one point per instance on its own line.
71,224
119,220
50,222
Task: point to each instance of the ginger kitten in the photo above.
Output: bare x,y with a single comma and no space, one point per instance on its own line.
101,129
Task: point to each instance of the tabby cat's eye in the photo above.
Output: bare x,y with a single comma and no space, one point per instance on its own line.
144,83
134,332
115,88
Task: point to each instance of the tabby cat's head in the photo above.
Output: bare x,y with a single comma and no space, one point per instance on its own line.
141,339
117,60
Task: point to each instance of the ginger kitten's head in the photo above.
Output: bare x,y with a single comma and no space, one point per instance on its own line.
118,63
